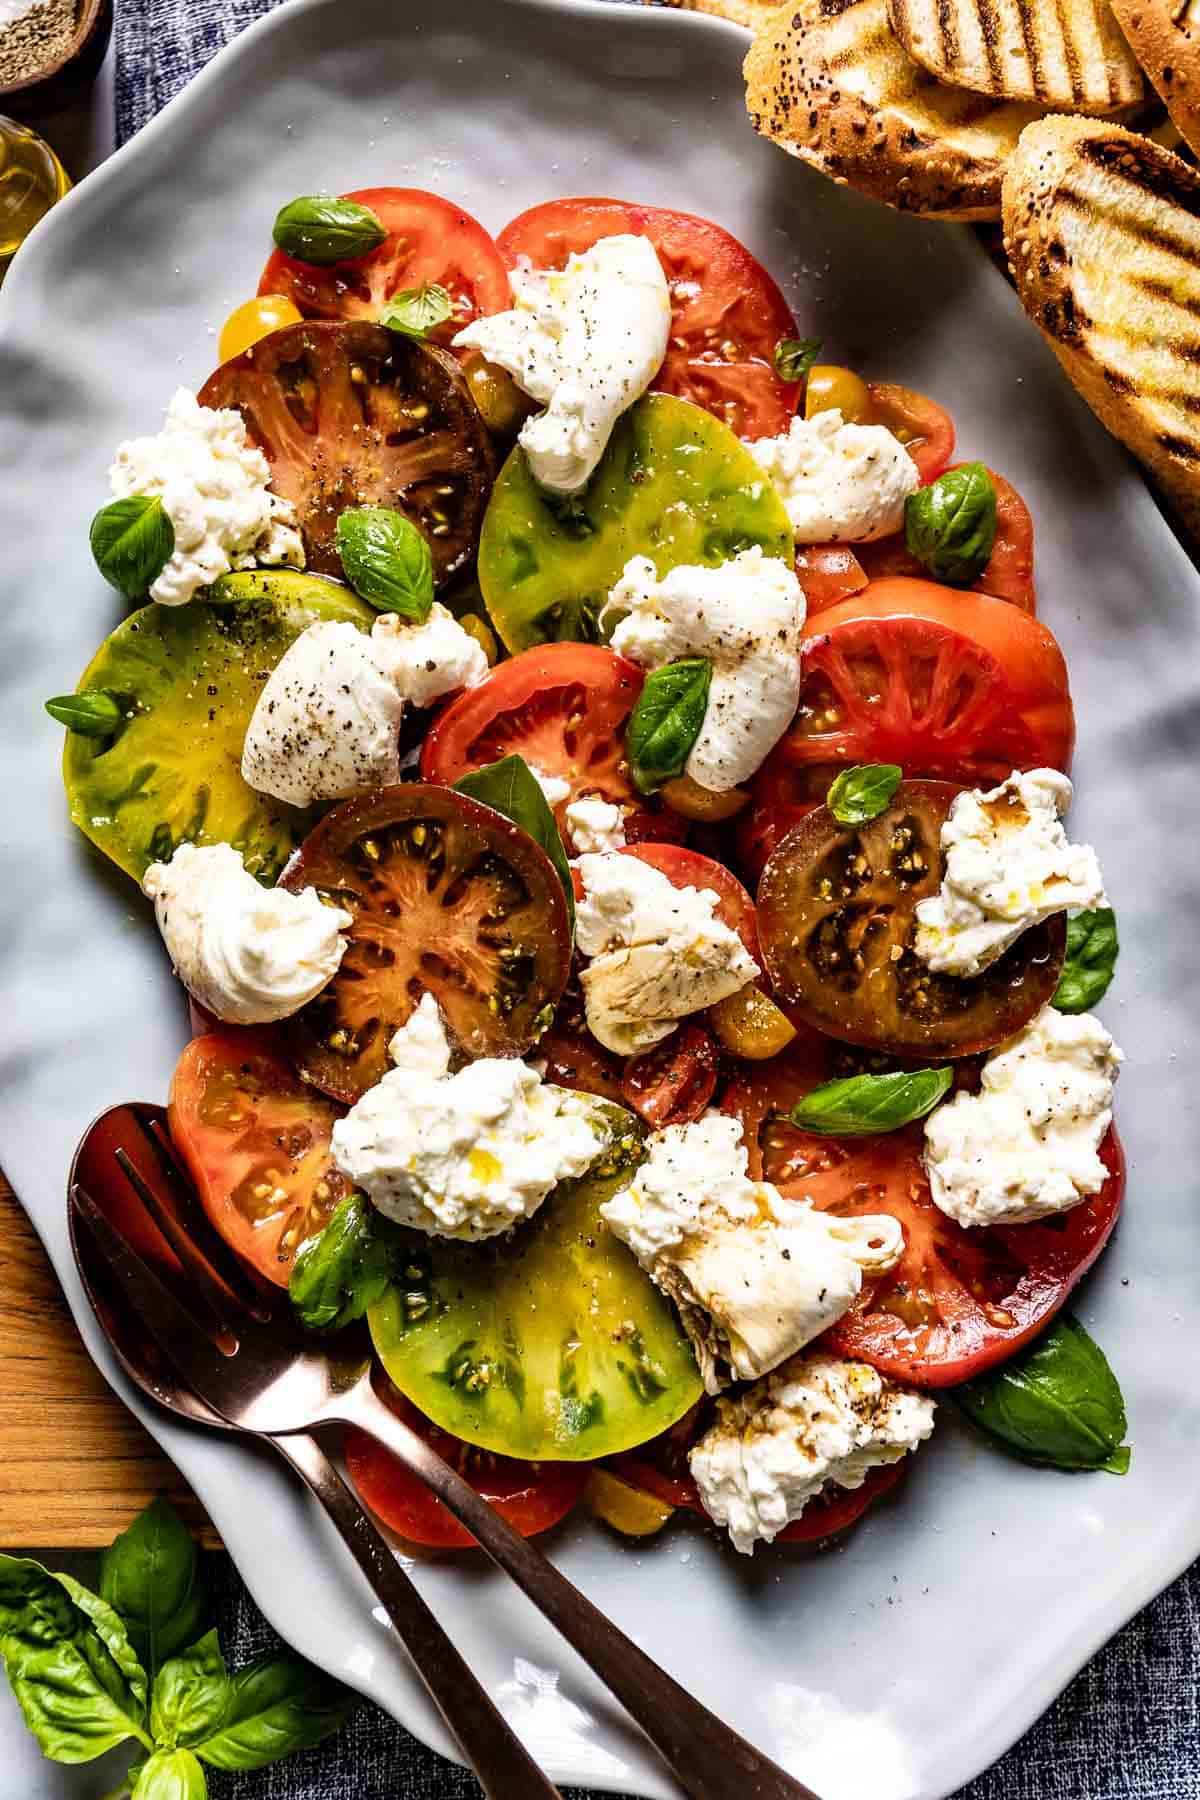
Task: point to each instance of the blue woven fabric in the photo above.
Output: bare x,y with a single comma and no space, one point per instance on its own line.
1128,1728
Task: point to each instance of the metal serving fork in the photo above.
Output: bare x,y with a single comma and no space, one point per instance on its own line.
109,1165
264,1376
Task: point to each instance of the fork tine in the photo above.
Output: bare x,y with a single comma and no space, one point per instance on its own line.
190,1349
212,1291
194,1221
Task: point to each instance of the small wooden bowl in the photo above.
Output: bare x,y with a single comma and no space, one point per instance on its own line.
75,68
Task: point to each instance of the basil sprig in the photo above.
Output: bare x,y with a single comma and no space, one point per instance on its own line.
344,1269
862,793
97,714
666,722
321,229
93,1671
1057,1402
1092,951
794,357
386,560
510,787
950,526
132,541
865,1105
416,311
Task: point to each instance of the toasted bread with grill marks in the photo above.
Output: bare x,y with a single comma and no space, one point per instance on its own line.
829,82
1102,229
1164,35
1068,54
748,13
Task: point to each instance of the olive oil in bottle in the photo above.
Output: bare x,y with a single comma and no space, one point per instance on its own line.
31,180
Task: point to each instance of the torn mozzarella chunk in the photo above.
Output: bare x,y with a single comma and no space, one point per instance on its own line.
840,482
755,1276
595,826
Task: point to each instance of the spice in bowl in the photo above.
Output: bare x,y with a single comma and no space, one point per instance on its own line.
34,34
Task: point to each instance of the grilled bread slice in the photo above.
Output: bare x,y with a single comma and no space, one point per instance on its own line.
749,13
1164,35
828,81
1060,53
1102,229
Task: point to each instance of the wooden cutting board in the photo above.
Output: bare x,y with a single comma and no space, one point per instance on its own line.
75,1465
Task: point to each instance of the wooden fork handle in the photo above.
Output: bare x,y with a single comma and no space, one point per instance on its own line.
709,1759
505,1769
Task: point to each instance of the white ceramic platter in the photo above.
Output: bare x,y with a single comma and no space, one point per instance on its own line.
900,1666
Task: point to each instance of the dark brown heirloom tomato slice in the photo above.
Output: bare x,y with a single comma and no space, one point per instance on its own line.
447,897
958,1302
256,1143
836,923
349,414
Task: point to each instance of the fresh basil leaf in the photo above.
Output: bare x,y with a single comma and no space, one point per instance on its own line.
150,1575
344,1269
862,793
1092,950
171,1775
864,1105
1057,1402
666,722
75,1675
510,787
278,1705
133,541
192,1695
321,229
96,714
416,311
386,561
950,526
794,357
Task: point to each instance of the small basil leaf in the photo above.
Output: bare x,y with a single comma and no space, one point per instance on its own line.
320,229
862,793
344,1269
277,1705
416,311
192,1695
950,526
150,1575
1057,1402
510,787
864,1105
95,715
666,722
1092,950
170,1775
386,561
72,1669
794,357
133,541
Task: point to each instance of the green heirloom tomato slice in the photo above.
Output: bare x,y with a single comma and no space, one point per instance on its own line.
190,676
550,1344
675,484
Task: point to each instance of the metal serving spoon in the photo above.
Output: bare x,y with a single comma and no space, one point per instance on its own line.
505,1769
265,1376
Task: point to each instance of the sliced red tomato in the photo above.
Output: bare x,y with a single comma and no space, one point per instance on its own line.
428,240
829,573
530,1496
688,868
564,708
727,313
949,684
923,427
256,1143
673,1083
958,1302
1008,576
573,1057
